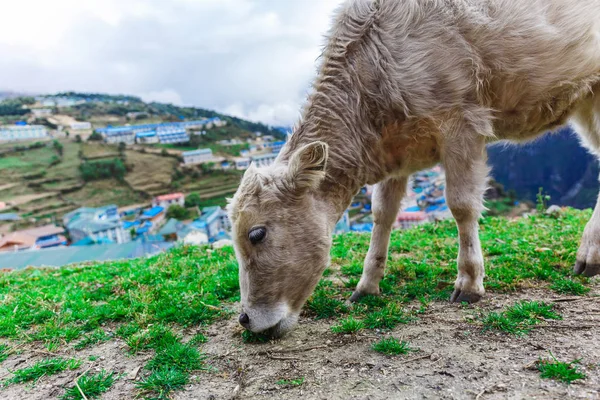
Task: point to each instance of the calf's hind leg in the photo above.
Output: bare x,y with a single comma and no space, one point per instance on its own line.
386,199
586,122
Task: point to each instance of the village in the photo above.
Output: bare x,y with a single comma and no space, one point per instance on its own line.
110,231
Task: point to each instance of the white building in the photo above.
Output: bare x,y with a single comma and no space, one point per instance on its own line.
41,112
22,132
172,134
167,200
146,137
264,160
97,224
197,156
241,163
77,125
127,137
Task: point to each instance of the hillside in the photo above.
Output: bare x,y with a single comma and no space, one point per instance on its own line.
44,179
41,186
556,162
164,327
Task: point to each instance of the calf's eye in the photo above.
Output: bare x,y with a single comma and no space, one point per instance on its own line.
257,234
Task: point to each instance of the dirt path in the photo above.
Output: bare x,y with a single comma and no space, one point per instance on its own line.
455,360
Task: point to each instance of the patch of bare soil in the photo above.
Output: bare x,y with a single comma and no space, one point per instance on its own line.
455,359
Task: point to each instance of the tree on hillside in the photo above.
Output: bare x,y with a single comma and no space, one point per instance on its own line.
78,139
207,167
103,169
192,200
95,137
178,212
58,147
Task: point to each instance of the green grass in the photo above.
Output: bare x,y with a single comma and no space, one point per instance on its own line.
567,286
251,337
177,355
94,337
4,352
151,303
163,381
348,325
92,386
324,304
387,317
560,371
197,339
45,367
520,318
291,382
392,346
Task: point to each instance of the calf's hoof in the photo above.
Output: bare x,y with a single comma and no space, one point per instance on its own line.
460,296
356,296
585,269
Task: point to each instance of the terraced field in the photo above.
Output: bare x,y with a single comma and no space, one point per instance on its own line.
41,190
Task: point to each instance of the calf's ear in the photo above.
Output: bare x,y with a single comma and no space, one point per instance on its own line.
306,169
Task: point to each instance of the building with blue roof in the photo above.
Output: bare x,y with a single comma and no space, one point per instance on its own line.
277,146
197,156
149,137
264,160
167,132
214,221
169,135
150,220
96,224
22,132
343,225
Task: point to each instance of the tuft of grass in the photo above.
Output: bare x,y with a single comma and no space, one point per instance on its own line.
156,337
251,337
177,355
567,286
47,366
92,358
291,382
560,371
348,325
519,318
387,317
197,339
92,386
163,381
4,352
392,346
323,303
96,336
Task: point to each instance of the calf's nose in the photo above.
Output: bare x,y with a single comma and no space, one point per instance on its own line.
244,320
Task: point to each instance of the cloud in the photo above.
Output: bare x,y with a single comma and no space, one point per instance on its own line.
164,96
251,58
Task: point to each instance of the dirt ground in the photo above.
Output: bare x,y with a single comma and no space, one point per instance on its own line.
455,360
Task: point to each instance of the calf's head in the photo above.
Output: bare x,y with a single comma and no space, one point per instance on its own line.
281,229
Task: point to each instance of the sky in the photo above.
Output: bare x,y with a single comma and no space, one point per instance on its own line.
254,59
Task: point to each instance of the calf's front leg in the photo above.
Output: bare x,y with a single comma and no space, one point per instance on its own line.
386,199
466,176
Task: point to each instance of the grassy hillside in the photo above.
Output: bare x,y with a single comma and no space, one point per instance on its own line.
43,185
161,311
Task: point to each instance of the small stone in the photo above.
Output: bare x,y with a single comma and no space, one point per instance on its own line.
554,210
